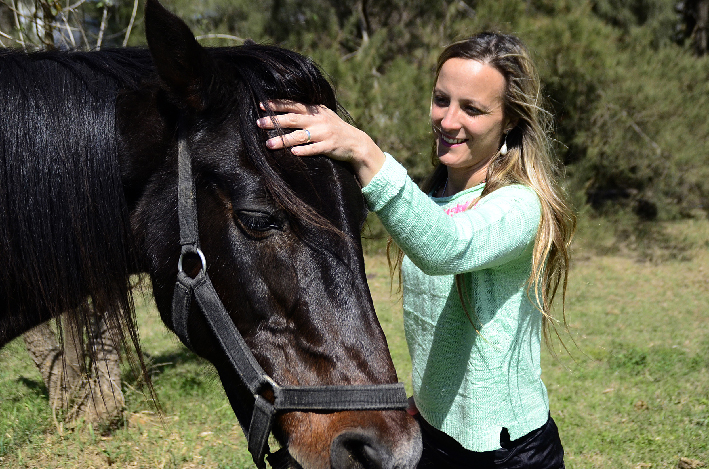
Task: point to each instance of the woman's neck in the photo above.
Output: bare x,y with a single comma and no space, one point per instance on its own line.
457,181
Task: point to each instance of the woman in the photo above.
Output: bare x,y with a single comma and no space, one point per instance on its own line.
486,245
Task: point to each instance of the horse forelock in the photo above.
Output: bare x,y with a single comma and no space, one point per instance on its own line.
267,73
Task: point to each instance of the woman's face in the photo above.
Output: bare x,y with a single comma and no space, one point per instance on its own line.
467,113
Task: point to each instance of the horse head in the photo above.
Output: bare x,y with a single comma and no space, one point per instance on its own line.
280,237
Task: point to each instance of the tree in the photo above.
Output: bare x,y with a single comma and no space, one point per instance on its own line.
83,379
694,21
49,24
629,102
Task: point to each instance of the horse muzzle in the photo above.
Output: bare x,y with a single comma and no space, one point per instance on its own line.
354,440
360,449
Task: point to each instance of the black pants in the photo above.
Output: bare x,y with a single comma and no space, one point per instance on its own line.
539,449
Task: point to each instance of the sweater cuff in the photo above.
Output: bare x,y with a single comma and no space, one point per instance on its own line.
386,184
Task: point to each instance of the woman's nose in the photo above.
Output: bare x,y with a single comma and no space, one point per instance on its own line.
450,119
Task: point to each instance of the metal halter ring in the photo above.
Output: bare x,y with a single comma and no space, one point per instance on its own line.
192,250
308,134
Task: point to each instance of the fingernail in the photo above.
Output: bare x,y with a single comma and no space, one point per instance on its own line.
259,122
269,143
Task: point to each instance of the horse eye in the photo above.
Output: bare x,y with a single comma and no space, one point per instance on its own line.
258,221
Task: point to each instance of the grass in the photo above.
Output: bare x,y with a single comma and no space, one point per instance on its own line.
633,394
638,393
197,428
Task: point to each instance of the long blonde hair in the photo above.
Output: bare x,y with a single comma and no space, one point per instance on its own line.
529,161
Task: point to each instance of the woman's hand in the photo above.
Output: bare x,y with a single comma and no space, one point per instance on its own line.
322,132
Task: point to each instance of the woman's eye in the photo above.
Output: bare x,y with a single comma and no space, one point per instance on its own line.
440,101
258,221
473,111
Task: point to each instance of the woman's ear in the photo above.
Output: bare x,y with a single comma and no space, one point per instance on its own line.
510,124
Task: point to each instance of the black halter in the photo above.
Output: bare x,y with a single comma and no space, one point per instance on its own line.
286,398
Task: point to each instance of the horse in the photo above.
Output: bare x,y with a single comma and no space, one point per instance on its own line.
126,161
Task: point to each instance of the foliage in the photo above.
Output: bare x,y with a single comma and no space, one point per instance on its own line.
630,102
628,113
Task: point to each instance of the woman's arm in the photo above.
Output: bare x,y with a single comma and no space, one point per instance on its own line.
323,132
498,229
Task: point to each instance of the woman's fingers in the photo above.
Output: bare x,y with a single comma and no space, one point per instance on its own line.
320,131
282,105
317,130
290,116
298,137
297,116
311,149
284,121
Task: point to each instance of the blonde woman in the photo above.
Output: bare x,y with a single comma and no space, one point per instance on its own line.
485,244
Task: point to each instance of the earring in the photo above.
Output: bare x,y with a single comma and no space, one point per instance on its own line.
503,148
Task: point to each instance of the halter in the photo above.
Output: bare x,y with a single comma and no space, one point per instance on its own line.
242,361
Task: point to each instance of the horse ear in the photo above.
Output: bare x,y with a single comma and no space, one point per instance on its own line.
182,64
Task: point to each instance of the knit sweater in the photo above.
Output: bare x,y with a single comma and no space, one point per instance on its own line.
469,381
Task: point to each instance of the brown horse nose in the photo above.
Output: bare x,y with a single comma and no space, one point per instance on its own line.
360,450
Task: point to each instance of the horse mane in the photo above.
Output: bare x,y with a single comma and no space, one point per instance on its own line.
64,226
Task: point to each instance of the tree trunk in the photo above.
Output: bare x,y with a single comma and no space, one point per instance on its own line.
701,35
94,397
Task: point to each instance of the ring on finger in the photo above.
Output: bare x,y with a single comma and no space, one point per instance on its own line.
307,132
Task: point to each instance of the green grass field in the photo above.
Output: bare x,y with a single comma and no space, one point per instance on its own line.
634,393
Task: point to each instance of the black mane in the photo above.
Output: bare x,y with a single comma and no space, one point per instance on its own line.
64,230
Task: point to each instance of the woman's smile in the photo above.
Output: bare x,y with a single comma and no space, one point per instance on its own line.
450,141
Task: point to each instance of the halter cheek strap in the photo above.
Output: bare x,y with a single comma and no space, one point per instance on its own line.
286,398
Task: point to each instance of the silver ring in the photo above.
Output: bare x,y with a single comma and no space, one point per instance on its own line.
191,250
308,133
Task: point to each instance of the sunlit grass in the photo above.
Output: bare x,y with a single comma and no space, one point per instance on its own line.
634,393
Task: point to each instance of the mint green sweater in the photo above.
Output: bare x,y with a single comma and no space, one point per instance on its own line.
469,384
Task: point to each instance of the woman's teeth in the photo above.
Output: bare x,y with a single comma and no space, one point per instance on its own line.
452,141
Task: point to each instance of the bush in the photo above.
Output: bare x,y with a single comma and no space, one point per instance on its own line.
630,103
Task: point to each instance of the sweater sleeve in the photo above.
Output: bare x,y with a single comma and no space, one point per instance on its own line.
497,230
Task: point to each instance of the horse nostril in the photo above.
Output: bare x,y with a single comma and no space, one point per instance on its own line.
356,450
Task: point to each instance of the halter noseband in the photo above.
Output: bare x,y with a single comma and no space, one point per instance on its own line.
285,398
